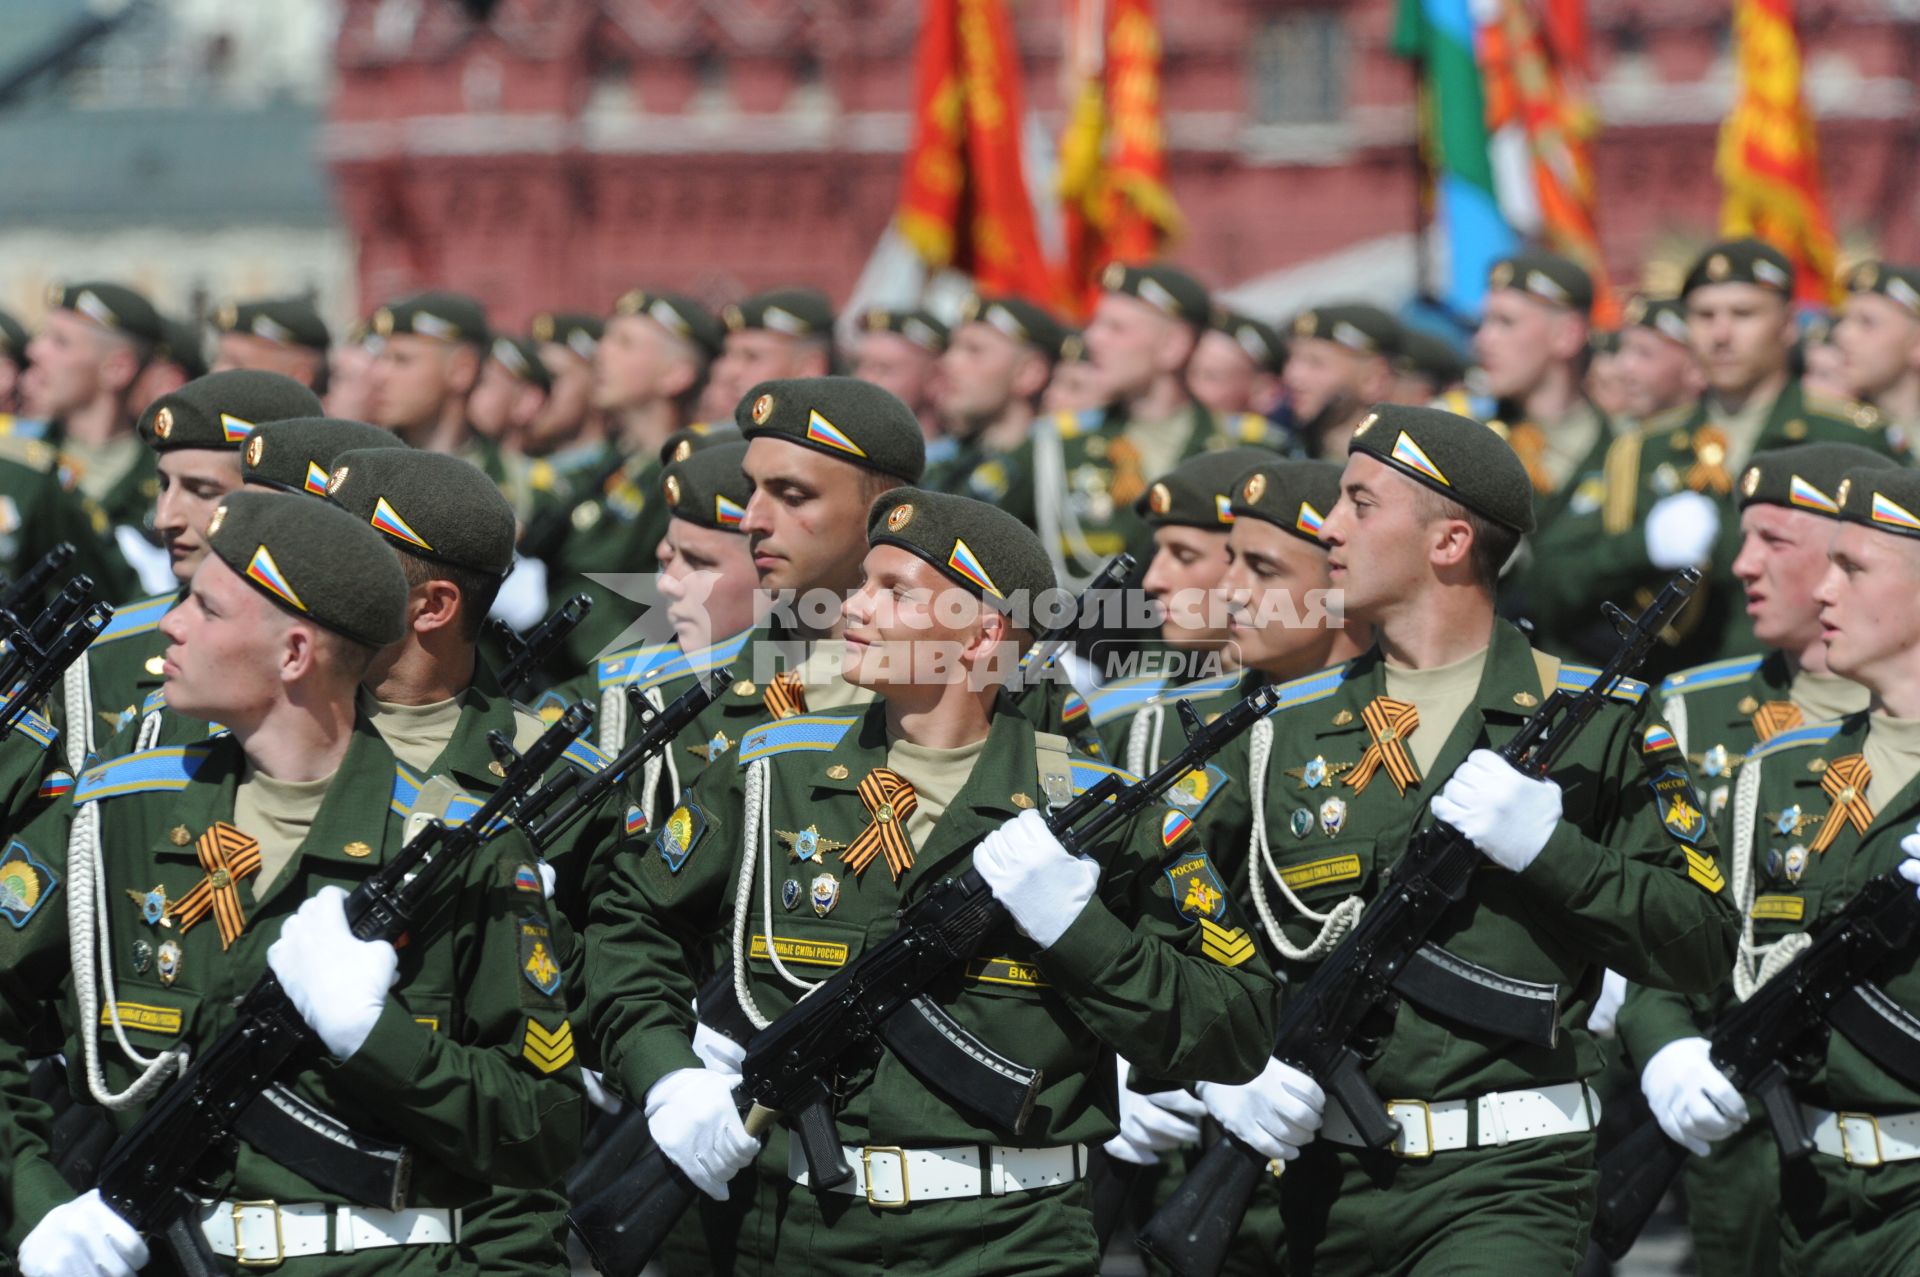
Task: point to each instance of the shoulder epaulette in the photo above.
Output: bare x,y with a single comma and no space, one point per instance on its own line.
646,667
1670,420
1087,773
1713,674
149,770
1123,697
34,728
406,791
1207,686
1845,410
1251,427
1304,691
585,756
1071,425
802,731
1816,734
137,618
29,452
32,428
1578,678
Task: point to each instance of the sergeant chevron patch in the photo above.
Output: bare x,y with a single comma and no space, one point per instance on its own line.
548,1049
1228,947
1705,870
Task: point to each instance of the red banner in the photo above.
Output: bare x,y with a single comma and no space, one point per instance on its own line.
964,198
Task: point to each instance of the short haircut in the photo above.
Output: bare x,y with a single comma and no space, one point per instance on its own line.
874,484
477,589
350,657
1493,543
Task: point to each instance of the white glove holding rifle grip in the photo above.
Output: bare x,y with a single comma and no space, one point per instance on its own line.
1507,815
1692,1100
1276,1114
82,1238
1041,883
336,981
692,1116
1152,1123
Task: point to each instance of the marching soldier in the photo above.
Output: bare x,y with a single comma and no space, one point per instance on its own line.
1607,863
1818,811
1237,365
510,396
1878,335
569,431
1429,368
226,858
993,374
899,351
197,434
870,809
13,361
1341,359
1074,387
87,357
1659,373
649,368
780,333
1191,514
274,334
40,507
1720,715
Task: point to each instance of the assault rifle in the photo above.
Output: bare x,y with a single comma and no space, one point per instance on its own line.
525,656
1387,955
39,651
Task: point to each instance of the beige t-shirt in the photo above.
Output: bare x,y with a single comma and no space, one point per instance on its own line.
1826,696
278,814
104,465
1159,443
820,673
415,733
1742,428
1569,442
1892,751
936,776
1441,694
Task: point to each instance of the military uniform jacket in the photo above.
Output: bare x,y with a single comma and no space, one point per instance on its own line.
1568,619
1158,963
1138,725
1785,887
1719,712
121,669
471,1062
40,507
1628,879
613,527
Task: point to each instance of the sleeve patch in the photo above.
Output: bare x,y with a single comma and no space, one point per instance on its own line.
1227,947
1193,791
1198,894
1780,908
25,884
1679,806
537,962
548,1050
1704,870
1657,739
680,834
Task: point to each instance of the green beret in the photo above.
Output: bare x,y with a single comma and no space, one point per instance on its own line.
450,317
1896,283
576,330
797,312
684,317
183,345
1549,277
1456,456
1884,498
1295,496
978,546
427,504
917,326
315,561
687,440
1019,319
284,321
1198,493
844,417
1365,330
1430,355
112,306
521,357
1742,261
1173,293
298,454
1664,315
221,409
709,488
13,339
1259,341
1807,476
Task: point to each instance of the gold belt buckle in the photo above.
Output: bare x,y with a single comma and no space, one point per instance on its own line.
240,1255
866,1176
1394,1108
1846,1144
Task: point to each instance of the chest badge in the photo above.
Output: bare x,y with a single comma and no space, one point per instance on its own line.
807,844
155,909
716,745
790,893
1301,822
169,958
1796,862
1333,816
825,894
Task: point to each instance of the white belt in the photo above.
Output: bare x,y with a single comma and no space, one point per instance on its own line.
890,1177
1503,1117
1864,1139
266,1232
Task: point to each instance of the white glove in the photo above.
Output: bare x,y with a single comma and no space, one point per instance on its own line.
1690,1098
82,1238
1042,886
1509,817
1150,1124
521,600
547,879
717,1051
1276,1113
1910,867
1606,1008
337,983
592,1082
1681,529
692,1116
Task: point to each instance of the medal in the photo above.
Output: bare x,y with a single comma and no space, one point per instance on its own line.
1333,814
826,894
142,957
1314,774
1788,823
1714,761
1774,863
155,909
807,844
169,962
1796,862
790,893
1302,822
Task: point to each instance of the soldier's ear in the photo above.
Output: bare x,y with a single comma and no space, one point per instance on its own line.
463,369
